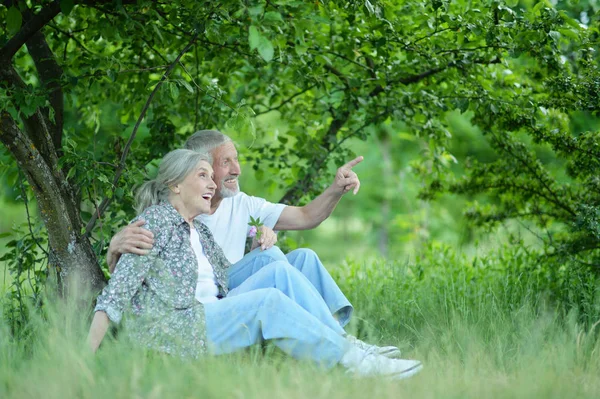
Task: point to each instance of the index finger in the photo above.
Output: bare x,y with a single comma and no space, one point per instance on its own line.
353,163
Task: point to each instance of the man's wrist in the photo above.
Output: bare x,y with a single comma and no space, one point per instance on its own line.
335,191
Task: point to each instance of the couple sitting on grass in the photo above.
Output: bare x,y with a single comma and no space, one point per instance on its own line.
187,288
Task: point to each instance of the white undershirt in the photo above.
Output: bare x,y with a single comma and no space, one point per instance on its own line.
206,288
229,223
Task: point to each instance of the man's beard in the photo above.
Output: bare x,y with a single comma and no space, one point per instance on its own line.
228,192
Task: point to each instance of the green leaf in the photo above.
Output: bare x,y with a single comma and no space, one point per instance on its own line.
371,9
569,33
187,85
158,33
241,126
570,21
301,50
265,49
539,6
66,6
273,16
14,20
253,37
173,90
52,115
255,11
111,75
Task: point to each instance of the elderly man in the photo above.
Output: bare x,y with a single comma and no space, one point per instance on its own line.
228,221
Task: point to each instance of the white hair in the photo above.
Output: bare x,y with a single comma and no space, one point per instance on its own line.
205,141
175,166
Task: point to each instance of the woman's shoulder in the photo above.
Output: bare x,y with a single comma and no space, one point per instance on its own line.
157,217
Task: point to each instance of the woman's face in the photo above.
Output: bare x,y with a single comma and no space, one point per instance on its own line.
197,189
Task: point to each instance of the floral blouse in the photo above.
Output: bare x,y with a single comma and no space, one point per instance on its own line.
157,291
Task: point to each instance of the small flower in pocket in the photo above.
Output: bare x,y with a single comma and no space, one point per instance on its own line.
254,229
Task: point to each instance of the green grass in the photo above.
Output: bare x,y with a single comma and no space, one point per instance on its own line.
484,328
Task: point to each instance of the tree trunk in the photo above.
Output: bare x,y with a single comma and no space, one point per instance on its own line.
72,255
37,148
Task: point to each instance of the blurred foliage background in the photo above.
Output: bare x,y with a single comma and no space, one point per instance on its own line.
478,121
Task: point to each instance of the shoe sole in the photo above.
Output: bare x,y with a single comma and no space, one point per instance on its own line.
407,373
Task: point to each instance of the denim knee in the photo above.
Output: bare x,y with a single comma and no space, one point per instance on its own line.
274,253
304,259
281,267
272,296
304,253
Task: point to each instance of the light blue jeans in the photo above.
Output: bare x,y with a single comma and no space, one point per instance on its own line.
308,263
293,284
248,317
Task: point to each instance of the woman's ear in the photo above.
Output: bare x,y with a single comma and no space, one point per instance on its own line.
175,189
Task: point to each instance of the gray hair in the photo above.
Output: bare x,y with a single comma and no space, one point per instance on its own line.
205,141
175,166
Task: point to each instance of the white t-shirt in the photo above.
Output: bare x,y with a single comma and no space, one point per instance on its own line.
206,288
229,223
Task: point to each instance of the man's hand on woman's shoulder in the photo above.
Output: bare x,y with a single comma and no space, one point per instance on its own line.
132,239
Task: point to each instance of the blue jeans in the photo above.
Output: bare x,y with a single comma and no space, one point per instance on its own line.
308,263
294,285
244,319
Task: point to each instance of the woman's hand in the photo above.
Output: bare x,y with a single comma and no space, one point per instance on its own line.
132,239
267,239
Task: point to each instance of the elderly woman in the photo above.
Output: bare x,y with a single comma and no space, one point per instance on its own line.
177,300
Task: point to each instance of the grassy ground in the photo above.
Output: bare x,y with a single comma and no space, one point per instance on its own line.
480,332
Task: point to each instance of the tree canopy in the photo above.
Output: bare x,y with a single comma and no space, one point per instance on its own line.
94,92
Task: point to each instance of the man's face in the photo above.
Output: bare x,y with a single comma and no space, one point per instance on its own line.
227,170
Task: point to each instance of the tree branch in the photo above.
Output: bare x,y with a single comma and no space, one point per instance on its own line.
435,32
107,200
286,101
37,22
293,194
33,25
50,74
18,144
337,73
469,49
36,124
555,199
338,122
425,74
368,68
72,37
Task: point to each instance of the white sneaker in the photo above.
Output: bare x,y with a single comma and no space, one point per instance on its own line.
368,364
388,351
